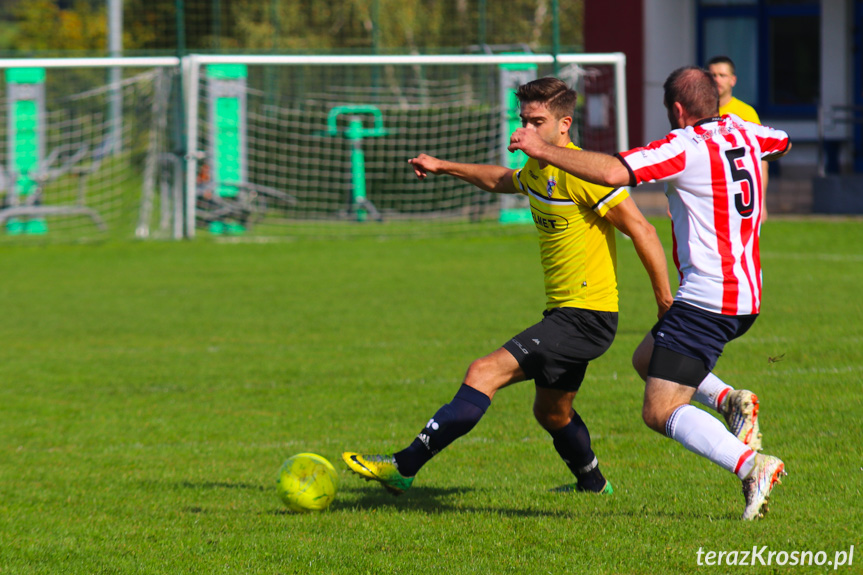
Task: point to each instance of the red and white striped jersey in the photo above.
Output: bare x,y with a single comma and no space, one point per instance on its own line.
713,182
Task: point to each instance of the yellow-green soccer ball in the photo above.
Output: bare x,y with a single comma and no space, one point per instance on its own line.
307,482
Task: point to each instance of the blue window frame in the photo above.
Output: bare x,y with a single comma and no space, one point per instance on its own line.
776,48
858,83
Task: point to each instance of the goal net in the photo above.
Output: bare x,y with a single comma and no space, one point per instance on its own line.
267,146
80,146
288,144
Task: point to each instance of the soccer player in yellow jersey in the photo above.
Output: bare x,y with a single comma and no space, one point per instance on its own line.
724,72
576,222
740,109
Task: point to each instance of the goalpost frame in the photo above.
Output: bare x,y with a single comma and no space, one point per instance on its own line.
44,166
192,64
128,62
190,67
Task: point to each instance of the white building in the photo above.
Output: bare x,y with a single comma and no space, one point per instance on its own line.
799,63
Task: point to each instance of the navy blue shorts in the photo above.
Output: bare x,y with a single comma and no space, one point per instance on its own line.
555,352
698,333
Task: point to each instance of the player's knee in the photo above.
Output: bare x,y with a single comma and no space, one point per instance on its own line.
483,375
653,417
551,419
477,373
641,359
640,363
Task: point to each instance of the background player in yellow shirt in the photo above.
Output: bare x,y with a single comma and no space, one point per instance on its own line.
576,222
724,72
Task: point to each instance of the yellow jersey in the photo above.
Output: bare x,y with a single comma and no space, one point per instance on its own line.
740,109
577,244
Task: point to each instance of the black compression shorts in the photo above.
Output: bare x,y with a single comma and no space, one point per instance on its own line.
555,352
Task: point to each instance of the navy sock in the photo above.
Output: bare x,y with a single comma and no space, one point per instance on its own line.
572,442
451,421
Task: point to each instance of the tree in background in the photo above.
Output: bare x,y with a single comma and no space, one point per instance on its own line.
402,25
386,26
150,25
43,26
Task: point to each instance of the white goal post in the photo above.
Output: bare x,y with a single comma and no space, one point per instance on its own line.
269,145
79,140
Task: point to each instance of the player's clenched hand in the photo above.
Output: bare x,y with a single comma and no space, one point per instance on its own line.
424,165
526,140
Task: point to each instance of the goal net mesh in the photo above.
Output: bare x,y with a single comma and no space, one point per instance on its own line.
268,146
313,134
79,145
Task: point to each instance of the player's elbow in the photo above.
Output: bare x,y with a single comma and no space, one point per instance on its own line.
615,176
641,231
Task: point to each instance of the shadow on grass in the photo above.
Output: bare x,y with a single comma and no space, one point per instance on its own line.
444,500
152,484
427,499
433,500
219,485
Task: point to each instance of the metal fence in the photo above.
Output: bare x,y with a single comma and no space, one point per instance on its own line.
177,27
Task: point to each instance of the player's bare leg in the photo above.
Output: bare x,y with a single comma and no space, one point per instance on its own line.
667,410
738,407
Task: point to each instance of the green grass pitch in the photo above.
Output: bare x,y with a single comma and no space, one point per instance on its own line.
149,393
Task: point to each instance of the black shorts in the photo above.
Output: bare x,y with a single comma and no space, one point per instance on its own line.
697,334
555,352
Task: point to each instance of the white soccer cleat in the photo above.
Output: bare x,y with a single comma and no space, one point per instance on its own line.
740,409
758,485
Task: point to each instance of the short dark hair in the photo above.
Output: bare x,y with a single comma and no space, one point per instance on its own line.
559,98
722,60
695,89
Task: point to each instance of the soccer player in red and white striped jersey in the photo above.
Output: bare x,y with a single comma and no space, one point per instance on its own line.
713,168
713,171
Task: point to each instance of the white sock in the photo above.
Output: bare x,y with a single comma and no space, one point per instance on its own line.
711,391
701,433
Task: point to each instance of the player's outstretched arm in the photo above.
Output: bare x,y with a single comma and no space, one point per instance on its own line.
593,167
490,178
627,218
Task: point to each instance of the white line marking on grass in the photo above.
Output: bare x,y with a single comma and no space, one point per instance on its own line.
824,257
817,370
256,240
768,339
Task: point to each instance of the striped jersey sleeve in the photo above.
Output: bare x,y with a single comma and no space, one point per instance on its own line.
657,161
772,142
